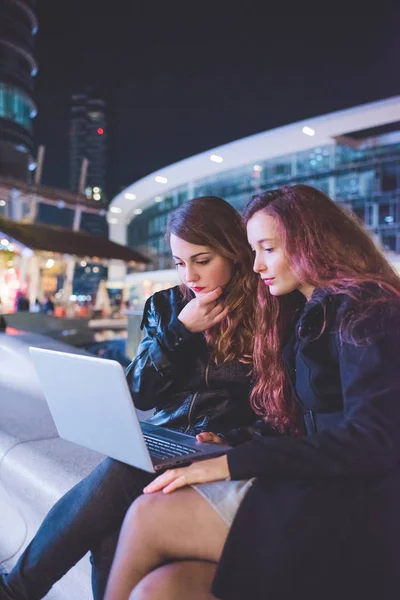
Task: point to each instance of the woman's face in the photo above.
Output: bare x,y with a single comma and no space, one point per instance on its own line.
270,260
200,268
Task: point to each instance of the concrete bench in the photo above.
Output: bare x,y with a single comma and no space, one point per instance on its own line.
36,466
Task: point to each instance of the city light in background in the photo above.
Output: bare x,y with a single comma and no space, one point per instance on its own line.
308,131
121,165
110,120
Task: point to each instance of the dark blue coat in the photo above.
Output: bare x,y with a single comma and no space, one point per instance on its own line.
322,520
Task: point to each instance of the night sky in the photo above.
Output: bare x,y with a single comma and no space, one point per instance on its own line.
180,81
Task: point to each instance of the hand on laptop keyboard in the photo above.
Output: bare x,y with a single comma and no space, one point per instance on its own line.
207,437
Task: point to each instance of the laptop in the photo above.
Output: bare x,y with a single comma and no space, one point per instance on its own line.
91,405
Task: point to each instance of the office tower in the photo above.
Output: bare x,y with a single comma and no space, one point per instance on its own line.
88,140
18,67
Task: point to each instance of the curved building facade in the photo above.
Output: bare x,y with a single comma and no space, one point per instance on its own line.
352,155
18,67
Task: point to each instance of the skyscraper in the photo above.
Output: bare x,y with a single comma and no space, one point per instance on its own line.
88,139
18,67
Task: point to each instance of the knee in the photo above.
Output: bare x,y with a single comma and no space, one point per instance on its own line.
144,513
152,587
143,591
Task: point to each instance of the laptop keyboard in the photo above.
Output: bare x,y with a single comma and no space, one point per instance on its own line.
165,449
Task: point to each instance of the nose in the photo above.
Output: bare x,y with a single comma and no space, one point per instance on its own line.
259,263
191,274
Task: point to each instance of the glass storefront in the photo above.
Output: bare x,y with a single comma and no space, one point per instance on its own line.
365,178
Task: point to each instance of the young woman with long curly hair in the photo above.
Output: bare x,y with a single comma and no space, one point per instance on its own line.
193,368
320,516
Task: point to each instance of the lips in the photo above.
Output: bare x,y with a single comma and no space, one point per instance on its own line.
268,281
198,289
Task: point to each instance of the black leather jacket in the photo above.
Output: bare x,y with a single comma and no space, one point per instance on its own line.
173,374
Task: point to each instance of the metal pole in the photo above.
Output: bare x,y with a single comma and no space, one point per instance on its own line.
82,178
39,164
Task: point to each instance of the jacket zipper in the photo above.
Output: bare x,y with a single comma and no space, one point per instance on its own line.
312,419
195,396
190,410
206,372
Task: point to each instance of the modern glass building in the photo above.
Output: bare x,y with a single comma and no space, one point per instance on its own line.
18,67
352,155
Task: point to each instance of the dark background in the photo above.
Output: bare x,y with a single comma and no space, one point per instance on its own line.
181,79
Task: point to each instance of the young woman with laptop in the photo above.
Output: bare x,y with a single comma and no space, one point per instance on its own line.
192,367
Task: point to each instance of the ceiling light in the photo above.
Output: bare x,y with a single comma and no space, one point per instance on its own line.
115,209
137,211
2,202
308,131
257,168
161,179
130,196
158,199
216,158
113,221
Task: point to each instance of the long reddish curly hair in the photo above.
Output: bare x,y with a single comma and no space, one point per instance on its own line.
327,247
213,222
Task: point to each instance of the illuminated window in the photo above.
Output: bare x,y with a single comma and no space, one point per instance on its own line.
16,106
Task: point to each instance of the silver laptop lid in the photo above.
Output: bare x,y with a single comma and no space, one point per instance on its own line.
91,405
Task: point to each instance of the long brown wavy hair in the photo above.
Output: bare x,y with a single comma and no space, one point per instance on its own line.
210,221
327,247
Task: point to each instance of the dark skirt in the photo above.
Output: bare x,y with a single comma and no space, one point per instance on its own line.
330,539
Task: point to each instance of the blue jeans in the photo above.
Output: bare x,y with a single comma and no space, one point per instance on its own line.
87,518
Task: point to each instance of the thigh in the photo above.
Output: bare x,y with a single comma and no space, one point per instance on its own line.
180,525
178,581
108,491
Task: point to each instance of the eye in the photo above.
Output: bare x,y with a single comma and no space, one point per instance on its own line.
269,250
203,262
178,264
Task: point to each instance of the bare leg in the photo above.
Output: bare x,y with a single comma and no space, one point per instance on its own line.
177,581
166,527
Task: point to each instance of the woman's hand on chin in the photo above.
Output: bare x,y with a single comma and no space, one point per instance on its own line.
205,471
203,312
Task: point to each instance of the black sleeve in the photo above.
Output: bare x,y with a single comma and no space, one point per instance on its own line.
154,370
241,435
368,441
